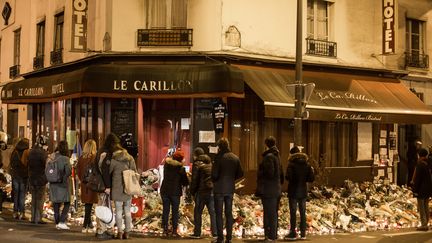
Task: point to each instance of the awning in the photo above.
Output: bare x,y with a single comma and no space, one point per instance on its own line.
338,97
129,81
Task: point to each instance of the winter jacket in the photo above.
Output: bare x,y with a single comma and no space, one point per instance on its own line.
174,178
60,192
298,173
18,160
422,181
36,166
201,177
225,171
121,160
87,195
104,160
270,175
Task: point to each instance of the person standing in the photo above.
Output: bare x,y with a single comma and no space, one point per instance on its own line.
37,180
298,173
202,187
269,180
225,171
171,190
412,157
422,188
60,191
88,197
19,173
121,161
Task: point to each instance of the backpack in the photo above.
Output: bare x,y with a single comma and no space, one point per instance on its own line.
93,178
52,171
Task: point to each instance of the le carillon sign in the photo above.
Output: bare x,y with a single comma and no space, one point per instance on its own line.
123,80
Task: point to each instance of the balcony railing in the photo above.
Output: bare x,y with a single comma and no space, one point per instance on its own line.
14,71
57,57
321,48
416,60
38,62
164,37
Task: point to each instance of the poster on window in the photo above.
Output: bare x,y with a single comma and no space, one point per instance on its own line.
219,111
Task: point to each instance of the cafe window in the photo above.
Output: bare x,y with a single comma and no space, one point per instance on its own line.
318,19
58,33
364,141
40,41
166,14
17,43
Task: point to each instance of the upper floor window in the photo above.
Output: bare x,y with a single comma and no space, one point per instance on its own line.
166,14
318,19
415,44
17,43
40,41
58,33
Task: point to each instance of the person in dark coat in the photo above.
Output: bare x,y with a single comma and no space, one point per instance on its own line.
298,173
19,173
60,191
225,171
88,197
171,190
422,188
121,161
37,180
269,180
202,187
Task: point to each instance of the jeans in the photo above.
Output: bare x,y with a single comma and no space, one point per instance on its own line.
293,210
202,200
167,202
423,208
38,199
20,189
61,218
87,215
220,201
270,206
120,209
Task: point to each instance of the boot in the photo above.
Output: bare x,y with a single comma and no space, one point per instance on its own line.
119,235
125,235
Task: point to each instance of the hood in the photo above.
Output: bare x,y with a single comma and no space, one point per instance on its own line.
274,150
22,145
173,162
204,158
298,157
122,155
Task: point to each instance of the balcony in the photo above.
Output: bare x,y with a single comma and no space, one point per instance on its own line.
321,48
38,62
164,37
14,71
416,60
57,57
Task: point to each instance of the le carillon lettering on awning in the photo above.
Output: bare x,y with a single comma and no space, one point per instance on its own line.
153,86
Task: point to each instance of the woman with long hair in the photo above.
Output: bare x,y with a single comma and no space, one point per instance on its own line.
88,197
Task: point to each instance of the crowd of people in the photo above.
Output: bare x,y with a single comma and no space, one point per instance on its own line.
211,183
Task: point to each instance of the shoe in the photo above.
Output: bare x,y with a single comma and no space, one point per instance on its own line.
126,235
41,222
119,235
291,236
63,226
194,236
91,230
228,241
104,236
165,233
84,230
175,235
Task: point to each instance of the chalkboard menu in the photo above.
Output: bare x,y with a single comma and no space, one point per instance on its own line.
123,116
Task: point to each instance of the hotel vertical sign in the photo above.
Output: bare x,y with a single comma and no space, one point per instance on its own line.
79,25
389,26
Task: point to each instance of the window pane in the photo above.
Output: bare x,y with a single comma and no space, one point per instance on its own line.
58,40
158,13
40,39
364,141
310,19
179,13
322,32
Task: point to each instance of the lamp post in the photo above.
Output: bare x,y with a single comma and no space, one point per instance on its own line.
299,89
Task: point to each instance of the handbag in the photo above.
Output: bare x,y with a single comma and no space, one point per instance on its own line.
104,212
131,183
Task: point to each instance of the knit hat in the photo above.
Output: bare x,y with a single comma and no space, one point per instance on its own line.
178,155
198,151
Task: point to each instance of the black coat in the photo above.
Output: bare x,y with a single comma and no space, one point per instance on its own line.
201,178
298,173
36,166
103,158
226,169
270,175
174,178
18,165
422,180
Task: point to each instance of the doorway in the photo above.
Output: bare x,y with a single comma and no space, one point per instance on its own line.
12,125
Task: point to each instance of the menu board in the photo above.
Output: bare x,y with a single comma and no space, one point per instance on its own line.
123,117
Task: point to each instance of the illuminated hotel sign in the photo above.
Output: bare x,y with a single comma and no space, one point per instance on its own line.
79,25
389,26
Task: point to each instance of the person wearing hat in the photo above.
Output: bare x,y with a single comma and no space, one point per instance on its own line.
422,188
37,180
171,190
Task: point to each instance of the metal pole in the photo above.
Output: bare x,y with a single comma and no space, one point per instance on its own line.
299,76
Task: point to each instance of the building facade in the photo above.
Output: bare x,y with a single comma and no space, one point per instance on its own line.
177,74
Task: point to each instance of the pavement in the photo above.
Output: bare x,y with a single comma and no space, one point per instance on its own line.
14,231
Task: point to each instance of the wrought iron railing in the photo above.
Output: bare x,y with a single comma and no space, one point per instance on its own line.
321,48
57,56
38,62
14,71
416,60
164,37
